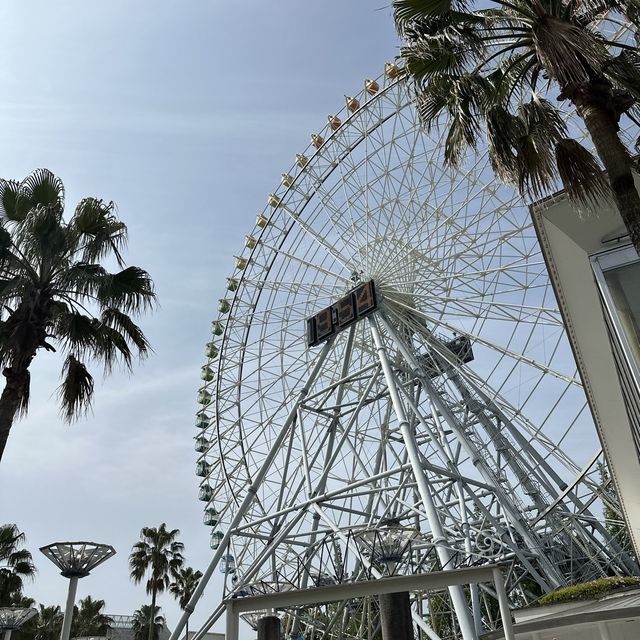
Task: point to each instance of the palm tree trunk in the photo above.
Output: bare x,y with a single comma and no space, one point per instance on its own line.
152,615
594,107
12,397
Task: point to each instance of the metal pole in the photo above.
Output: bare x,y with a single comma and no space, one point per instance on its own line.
231,632
251,493
7,634
269,628
395,616
68,612
505,612
445,555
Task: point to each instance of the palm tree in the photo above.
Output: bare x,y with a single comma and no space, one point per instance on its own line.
142,617
182,588
16,564
492,70
49,623
54,291
160,555
89,620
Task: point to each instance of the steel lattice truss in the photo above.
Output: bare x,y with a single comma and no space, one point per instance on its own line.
506,465
12,618
77,559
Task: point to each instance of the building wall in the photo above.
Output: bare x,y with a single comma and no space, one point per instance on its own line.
568,238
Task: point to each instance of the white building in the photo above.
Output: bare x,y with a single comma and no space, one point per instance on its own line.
596,275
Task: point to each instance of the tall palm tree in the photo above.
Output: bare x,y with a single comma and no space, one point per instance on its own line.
142,618
55,294
501,68
159,555
182,588
16,564
49,624
89,619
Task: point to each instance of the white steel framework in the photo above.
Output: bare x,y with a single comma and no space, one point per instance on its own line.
453,408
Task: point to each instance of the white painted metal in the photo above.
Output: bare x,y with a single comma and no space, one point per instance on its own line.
439,539
475,455
345,592
68,610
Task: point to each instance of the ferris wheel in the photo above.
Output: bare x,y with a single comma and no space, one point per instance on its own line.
389,360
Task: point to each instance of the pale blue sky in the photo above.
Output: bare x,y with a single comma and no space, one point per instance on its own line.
185,114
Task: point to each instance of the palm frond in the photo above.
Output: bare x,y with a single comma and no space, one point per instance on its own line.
6,244
111,347
44,190
14,289
79,278
542,128
42,238
77,332
463,98
99,231
76,391
624,72
569,53
630,9
504,130
123,323
442,44
581,175
408,11
130,290
14,202
24,393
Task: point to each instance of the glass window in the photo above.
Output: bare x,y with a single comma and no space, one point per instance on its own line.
618,273
624,288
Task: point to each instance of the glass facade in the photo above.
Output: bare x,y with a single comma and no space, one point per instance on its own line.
618,274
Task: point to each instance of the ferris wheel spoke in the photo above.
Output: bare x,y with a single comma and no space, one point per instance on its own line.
479,306
519,357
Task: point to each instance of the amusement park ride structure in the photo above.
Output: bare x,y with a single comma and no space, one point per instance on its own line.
390,348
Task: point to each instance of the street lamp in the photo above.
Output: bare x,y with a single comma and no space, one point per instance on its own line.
387,545
75,560
12,618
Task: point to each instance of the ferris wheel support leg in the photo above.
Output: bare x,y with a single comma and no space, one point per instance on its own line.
463,613
319,489
553,575
251,492
503,602
473,587
543,463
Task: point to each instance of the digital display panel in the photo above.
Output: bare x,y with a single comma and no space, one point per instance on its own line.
345,311
365,296
349,309
324,323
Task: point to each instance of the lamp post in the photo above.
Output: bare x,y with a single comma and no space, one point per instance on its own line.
387,545
12,618
75,560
